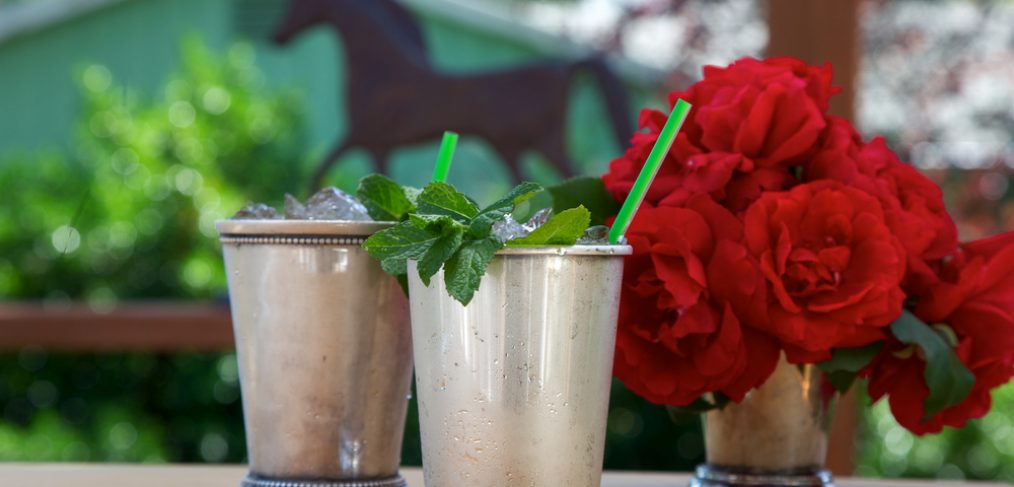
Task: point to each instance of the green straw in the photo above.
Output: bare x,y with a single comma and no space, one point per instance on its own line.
445,157
648,172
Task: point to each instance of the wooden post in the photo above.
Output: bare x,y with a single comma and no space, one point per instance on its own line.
820,31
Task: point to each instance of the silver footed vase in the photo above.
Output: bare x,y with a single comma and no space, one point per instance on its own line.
325,353
777,436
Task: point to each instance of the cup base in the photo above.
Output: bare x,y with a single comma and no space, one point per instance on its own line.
714,476
257,481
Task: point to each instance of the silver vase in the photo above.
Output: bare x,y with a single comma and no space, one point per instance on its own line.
777,436
325,355
514,388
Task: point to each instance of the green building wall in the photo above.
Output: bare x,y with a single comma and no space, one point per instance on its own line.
138,41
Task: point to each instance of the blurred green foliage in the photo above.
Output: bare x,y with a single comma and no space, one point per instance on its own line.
983,449
129,215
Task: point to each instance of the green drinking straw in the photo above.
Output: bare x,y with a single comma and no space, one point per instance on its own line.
446,155
648,172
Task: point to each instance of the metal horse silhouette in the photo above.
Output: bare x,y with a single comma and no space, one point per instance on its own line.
395,96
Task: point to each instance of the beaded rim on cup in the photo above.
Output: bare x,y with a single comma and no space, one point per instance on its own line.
328,232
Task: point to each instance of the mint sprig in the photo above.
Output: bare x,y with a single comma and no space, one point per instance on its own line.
441,228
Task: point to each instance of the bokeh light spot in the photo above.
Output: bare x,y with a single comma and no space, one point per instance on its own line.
97,78
182,114
66,239
216,100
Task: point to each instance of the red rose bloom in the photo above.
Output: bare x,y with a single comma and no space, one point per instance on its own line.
751,122
913,205
675,341
976,306
826,270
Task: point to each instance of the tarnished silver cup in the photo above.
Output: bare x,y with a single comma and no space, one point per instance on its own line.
514,388
777,436
325,354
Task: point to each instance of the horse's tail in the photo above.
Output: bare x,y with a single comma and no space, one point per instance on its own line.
617,99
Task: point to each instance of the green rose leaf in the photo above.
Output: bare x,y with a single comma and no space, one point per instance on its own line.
443,199
701,405
563,228
589,192
948,380
845,363
483,222
384,199
394,246
464,270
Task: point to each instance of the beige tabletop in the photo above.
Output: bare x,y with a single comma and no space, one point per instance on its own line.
109,475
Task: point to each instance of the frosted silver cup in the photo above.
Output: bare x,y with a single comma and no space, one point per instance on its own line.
514,388
325,354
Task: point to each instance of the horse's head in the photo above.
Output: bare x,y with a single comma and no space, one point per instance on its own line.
368,21
301,15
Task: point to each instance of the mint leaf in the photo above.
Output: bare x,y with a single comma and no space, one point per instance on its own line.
394,246
589,192
562,229
442,249
412,194
464,270
443,199
948,380
383,198
435,222
483,222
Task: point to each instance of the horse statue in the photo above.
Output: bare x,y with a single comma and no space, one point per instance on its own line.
396,97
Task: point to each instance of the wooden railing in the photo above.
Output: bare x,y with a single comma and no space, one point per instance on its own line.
152,326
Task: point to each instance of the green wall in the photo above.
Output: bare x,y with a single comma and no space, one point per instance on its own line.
138,41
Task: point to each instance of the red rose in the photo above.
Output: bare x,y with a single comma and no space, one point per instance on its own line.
675,341
913,205
750,123
820,269
976,307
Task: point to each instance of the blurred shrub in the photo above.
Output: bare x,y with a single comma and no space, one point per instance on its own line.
983,449
130,214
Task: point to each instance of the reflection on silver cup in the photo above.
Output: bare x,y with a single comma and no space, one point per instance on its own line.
325,354
777,436
514,388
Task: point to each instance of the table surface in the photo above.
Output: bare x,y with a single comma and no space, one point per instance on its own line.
111,475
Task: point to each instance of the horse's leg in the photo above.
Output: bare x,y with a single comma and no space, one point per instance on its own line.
555,149
380,159
327,163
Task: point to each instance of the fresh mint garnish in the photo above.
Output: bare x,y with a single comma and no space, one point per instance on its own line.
384,199
562,229
441,228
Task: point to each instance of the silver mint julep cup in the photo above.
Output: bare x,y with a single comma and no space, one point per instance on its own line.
324,350
514,388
